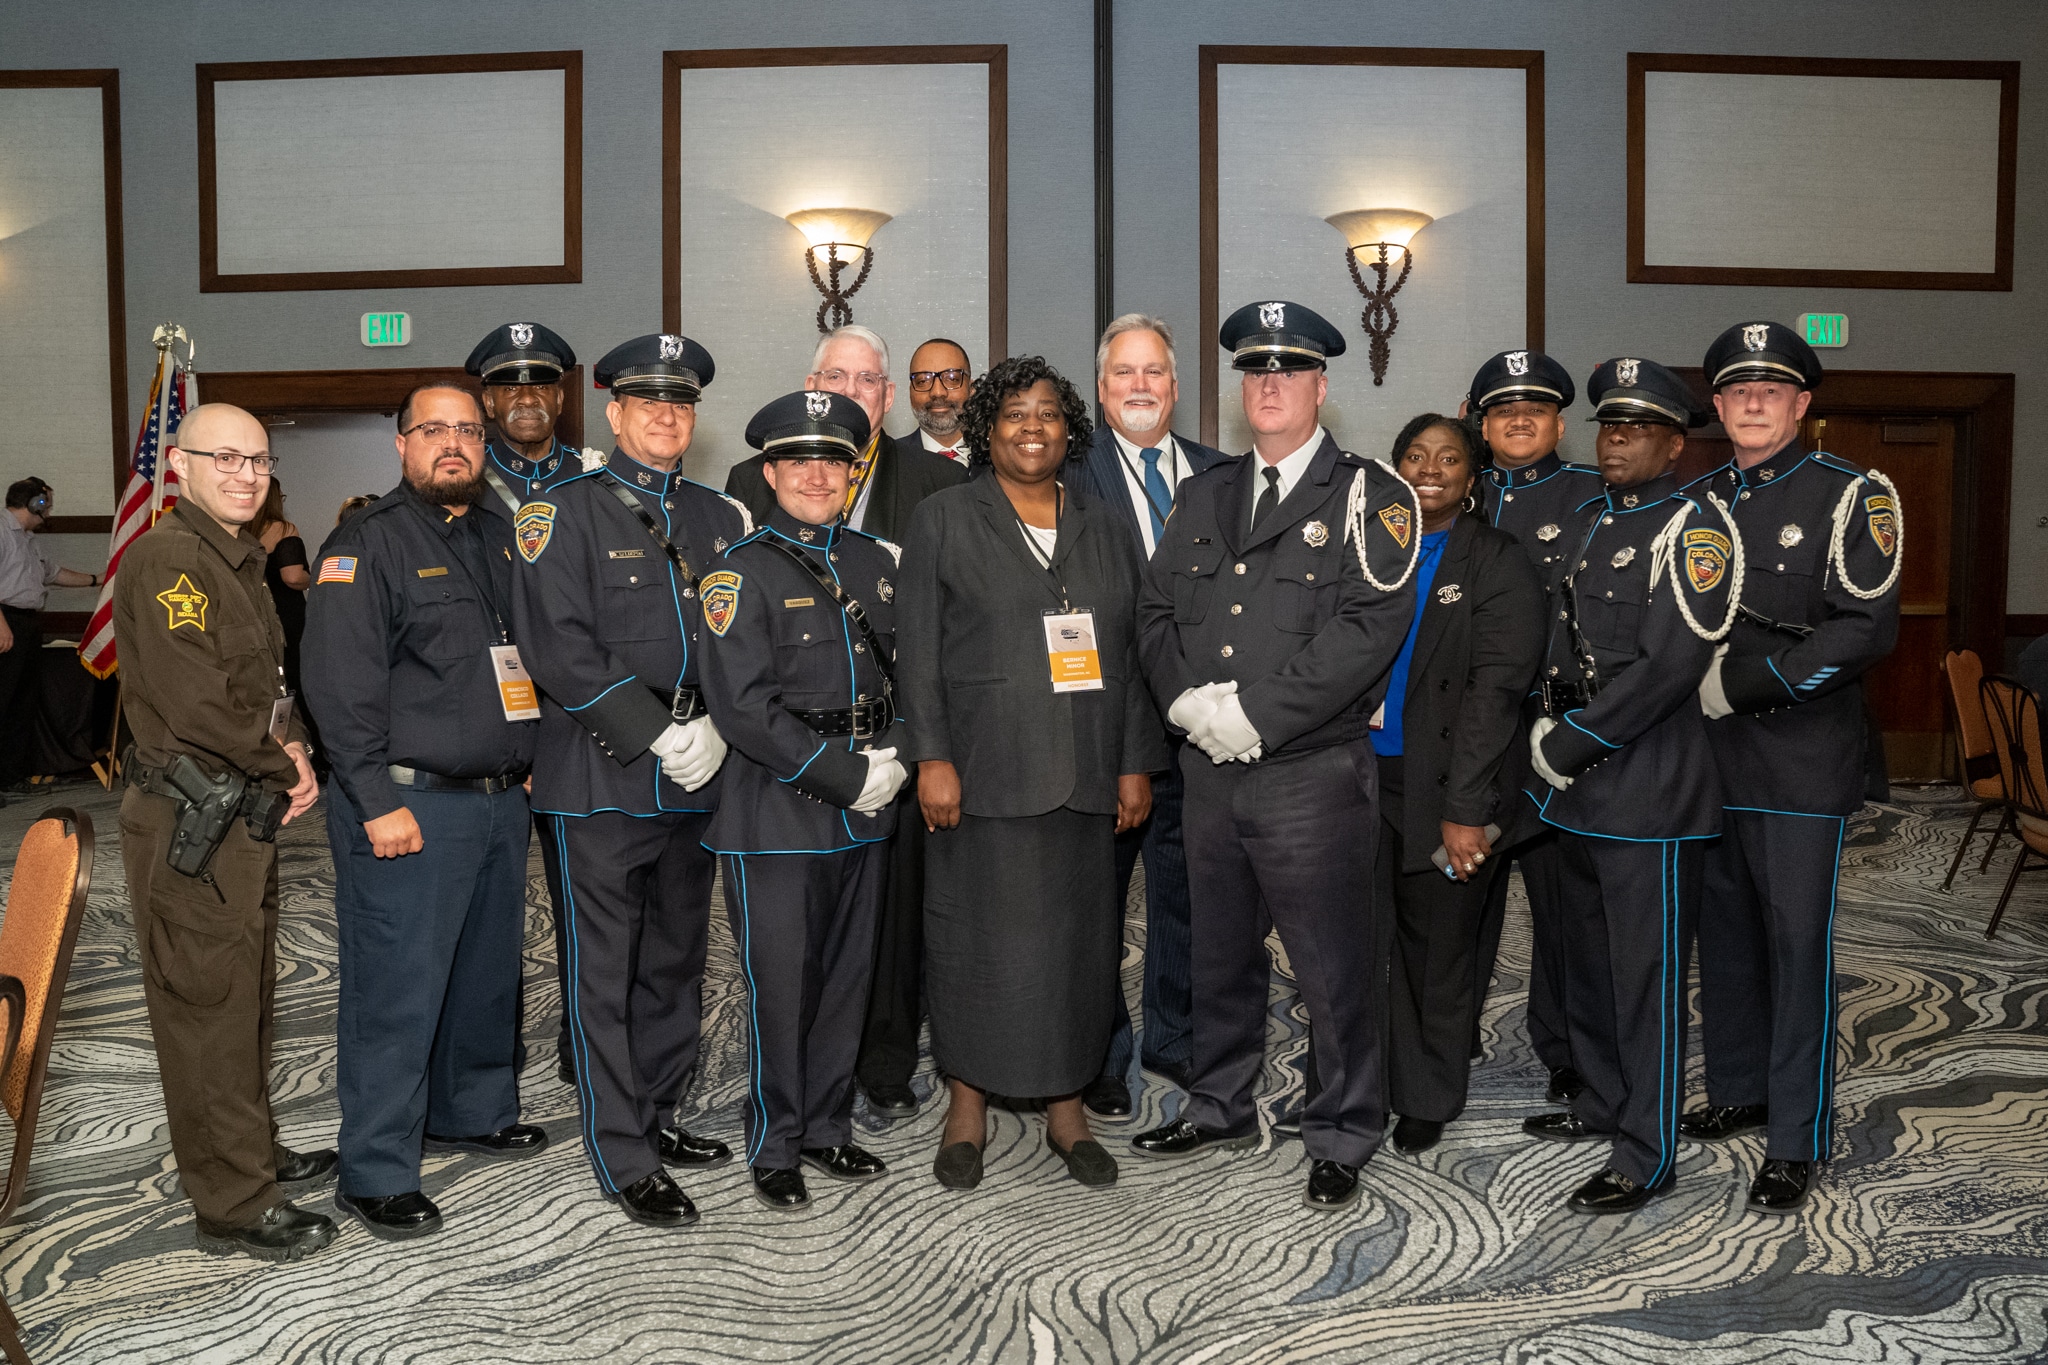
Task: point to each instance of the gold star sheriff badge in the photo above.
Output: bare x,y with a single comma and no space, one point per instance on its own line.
186,605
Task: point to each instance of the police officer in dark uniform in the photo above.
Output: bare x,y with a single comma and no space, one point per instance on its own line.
1270,614
607,600
1532,493
1784,702
797,673
1621,770
430,722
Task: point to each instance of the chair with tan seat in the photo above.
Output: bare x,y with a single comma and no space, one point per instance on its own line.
52,873
1981,775
2015,716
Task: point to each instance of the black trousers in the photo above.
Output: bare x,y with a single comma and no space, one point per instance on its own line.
895,1004
1275,844
1549,1033
804,924
1767,974
21,693
1168,979
636,891
1631,905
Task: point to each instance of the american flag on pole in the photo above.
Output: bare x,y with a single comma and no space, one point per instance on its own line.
152,490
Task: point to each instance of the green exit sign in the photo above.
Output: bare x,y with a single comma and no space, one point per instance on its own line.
1824,329
387,329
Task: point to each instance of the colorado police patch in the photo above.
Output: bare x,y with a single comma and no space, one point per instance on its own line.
721,594
1706,558
1395,518
1884,522
533,525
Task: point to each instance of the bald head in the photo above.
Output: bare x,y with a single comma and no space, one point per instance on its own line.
211,435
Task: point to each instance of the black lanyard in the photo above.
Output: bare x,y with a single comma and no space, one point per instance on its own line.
1059,503
1166,450
486,598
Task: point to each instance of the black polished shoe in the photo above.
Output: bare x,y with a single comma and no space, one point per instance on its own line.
781,1188
1564,1127
285,1232
302,1171
1565,1085
678,1148
1108,1096
392,1217
891,1101
1416,1135
1181,1138
846,1162
657,1201
1719,1122
1612,1192
565,1070
1288,1125
510,1142
1331,1186
1086,1161
958,1166
1780,1187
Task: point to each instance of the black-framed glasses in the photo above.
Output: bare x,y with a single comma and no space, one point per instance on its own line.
920,380
469,433
231,461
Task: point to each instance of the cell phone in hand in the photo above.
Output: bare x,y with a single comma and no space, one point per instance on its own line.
1442,857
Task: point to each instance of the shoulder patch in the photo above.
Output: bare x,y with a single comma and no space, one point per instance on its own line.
533,526
185,604
720,594
1395,518
1706,558
1882,516
746,517
336,569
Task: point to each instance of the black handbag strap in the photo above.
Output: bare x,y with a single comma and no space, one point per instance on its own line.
626,495
854,612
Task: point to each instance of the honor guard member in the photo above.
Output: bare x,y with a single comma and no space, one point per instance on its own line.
219,762
520,367
1276,602
607,601
797,673
1621,770
1534,494
1785,720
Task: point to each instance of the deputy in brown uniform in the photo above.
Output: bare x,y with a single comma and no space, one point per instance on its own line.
219,763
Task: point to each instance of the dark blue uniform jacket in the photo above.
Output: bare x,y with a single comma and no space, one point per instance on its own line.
1538,505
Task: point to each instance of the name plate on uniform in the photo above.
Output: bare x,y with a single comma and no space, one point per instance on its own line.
1070,646
515,688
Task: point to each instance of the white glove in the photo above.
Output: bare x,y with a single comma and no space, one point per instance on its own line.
1194,707
885,778
1713,696
695,755
1227,734
1542,727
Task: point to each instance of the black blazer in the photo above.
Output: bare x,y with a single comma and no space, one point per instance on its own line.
905,474
972,674
1103,471
1465,754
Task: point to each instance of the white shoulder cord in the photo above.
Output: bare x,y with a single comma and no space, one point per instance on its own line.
1664,550
593,459
895,550
1838,549
1354,527
746,517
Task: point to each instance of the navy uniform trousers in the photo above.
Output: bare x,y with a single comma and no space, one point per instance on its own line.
430,965
636,904
1167,995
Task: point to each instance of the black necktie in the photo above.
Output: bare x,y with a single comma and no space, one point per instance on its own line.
1268,500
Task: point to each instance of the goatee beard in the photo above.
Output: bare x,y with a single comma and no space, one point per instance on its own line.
1139,419
943,426
450,492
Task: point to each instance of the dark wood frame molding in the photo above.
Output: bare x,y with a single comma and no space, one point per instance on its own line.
996,56
1530,63
268,392
109,83
1998,278
570,271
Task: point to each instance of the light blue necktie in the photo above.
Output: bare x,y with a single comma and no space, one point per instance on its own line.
1157,494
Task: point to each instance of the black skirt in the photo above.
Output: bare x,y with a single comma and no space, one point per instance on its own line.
1022,944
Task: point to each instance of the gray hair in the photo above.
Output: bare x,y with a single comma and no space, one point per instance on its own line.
864,335
1135,322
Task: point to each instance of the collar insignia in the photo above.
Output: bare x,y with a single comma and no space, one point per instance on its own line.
719,544
807,535
1629,500
641,478
1766,476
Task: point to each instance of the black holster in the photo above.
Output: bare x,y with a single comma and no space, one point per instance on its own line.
206,807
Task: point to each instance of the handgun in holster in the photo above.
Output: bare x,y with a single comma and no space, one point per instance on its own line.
206,807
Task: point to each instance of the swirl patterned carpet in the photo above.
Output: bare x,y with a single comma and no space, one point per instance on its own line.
1927,1241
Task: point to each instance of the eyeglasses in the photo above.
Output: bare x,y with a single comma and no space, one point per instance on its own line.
861,379
231,461
920,380
469,433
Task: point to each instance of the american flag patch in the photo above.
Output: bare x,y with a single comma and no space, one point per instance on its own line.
337,569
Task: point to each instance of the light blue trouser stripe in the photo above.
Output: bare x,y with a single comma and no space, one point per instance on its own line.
1666,1068
1824,1105
736,872
575,1012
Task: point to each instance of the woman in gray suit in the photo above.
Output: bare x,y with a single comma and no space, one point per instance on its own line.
1035,739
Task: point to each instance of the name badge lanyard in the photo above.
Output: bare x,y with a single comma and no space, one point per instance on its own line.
1070,646
1059,503
281,707
1138,477
516,693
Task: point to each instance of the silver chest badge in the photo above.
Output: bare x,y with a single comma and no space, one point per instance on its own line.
1790,535
1755,334
1548,532
671,348
1316,534
1449,593
1623,557
1272,316
1625,372
885,590
817,403
522,334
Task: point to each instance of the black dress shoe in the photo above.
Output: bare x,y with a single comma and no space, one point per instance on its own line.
846,1162
1108,1096
1612,1192
657,1201
1780,1187
958,1166
285,1232
513,1140
393,1217
565,1069
781,1188
1416,1135
1565,1085
1289,1122
1331,1186
1086,1161
302,1171
1719,1122
1564,1127
891,1101
1181,1138
678,1148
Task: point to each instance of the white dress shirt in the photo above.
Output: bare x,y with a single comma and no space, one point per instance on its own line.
1291,469
1173,467
956,452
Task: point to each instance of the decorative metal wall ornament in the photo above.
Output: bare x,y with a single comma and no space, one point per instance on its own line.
837,237
1374,236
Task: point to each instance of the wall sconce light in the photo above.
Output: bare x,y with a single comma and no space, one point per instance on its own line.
836,236
1378,233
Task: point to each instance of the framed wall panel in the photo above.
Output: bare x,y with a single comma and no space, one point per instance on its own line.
63,316
389,172
1821,172
1454,133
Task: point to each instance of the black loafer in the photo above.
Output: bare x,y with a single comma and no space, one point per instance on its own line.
1331,1186
1288,1125
302,1171
891,1101
657,1201
781,1188
285,1232
1719,1122
393,1217
1086,1161
678,1148
1108,1096
845,1162
1181,1138
510,1142
1612,1192
1562,1127
1565,1085
1780,1187
1416,1135
958,1166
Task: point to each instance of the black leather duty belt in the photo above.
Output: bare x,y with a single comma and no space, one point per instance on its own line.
683,703
869,716
434,782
